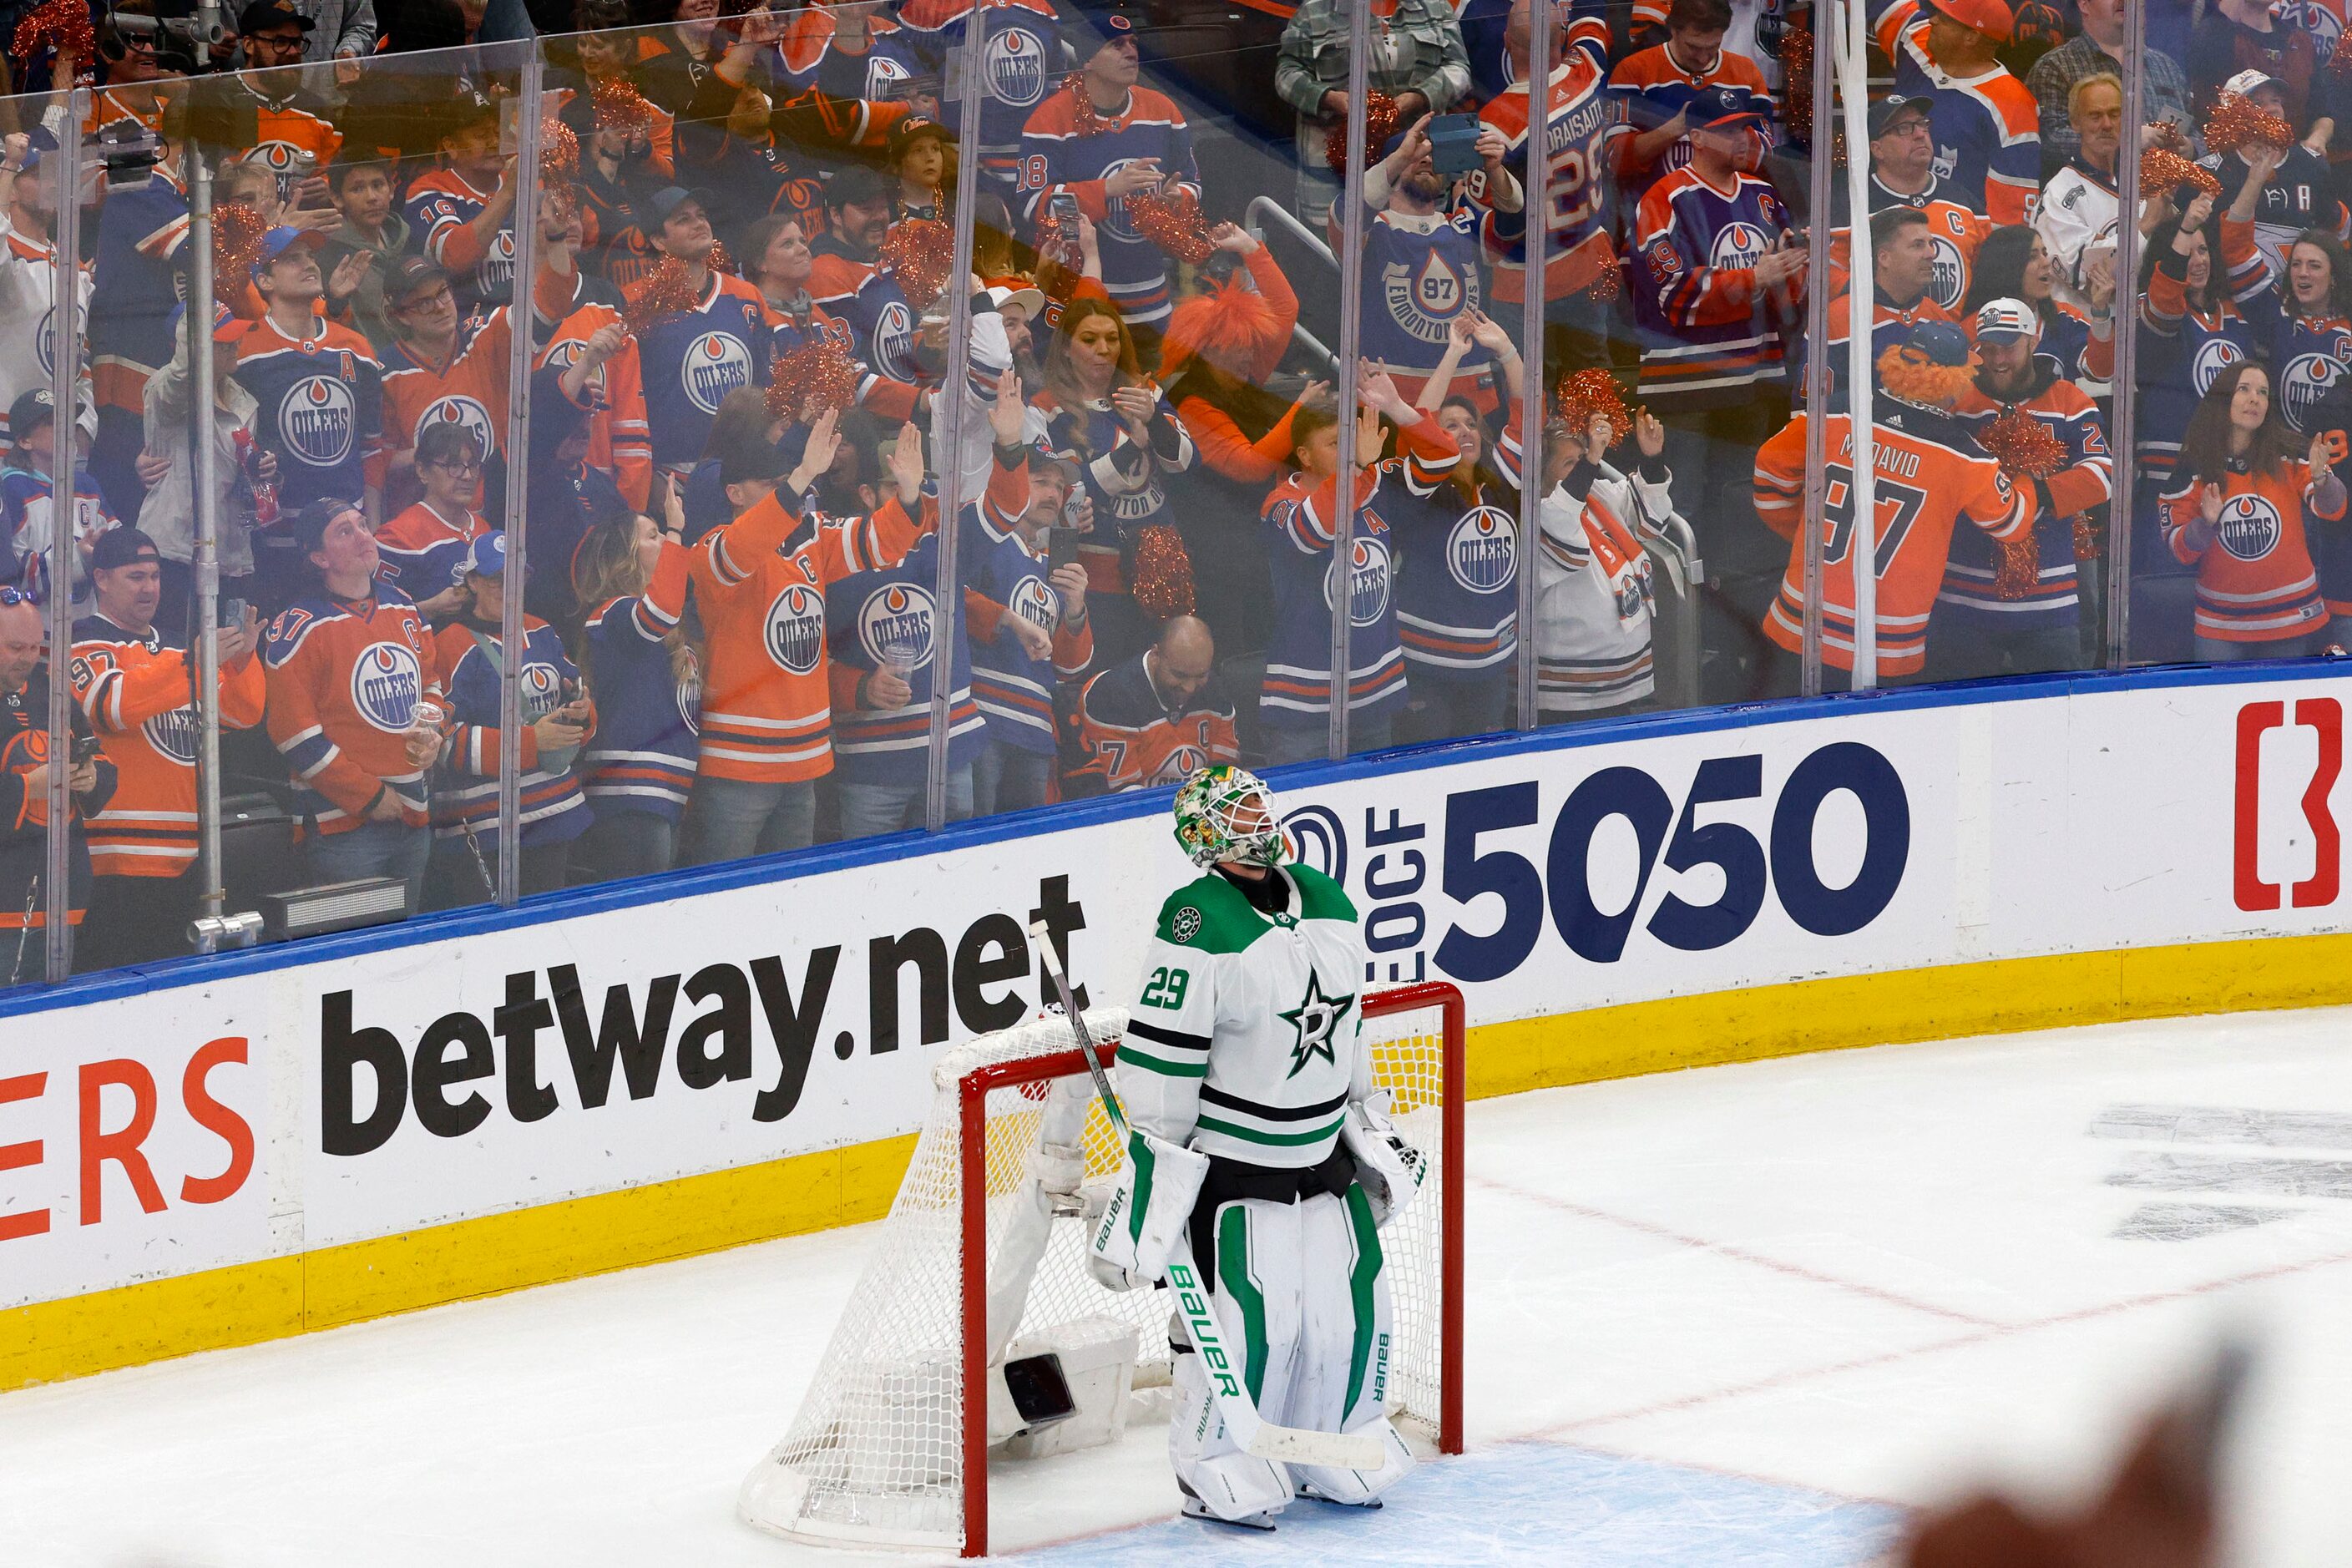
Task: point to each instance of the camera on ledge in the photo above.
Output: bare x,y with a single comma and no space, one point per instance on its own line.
182,44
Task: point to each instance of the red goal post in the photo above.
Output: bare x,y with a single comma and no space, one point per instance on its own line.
891,1446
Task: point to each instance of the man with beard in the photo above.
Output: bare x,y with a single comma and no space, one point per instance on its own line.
1903,270
1424,268
2015,608
857,215
134,685
693,358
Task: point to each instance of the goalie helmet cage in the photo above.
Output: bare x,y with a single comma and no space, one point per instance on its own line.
891,1447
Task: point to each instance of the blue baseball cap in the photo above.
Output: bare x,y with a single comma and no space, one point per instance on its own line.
487,556
1720,108
276,243
1942,341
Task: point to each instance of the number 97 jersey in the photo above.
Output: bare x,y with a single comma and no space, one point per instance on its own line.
1926,480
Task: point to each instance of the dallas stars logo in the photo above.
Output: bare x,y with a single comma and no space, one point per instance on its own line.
1317,1018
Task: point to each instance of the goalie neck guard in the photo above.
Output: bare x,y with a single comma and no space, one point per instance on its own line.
1225,813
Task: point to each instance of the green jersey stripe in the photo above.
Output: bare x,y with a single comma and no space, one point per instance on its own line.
1282,1140
1128,1057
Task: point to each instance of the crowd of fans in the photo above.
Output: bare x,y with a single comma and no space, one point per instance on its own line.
740,415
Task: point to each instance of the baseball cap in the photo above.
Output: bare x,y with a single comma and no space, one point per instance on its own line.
276,243
1942,342
486,555
1044,454
916,128
414,276
1716,108
853,185
1990,17
751,460
31,411
2246,83
2003,321
669,198
1885,112
121,547
311,523
1030,302
271,13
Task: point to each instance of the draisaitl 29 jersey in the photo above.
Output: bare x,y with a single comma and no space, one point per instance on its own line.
1574,198
1246,1040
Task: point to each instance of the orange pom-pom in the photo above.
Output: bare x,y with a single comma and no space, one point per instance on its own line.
619,105
1163,571
666,291
1173,223
2167,136
2022,445
60,24
815,378
1915,378
1797,62
559,151
237,231
1610,281
2238,121
1589,392
920,252
719,260
1086,120
2161,169
2017,565
1381,119
2340,62
2087,542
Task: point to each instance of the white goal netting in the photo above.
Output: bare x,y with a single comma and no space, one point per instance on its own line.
877,1454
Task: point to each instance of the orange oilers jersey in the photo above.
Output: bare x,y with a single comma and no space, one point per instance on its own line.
135,691
344,678
1955,233
1573,202
2254,576
1131,740
759,582
284,135
620,441
1925,484
469,390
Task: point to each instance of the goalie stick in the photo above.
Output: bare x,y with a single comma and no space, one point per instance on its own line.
1258,1437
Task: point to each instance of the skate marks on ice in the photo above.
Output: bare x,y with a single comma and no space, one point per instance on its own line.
1531,1503
2172,1169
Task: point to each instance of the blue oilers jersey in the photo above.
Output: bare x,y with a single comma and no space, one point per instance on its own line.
882,327
1015,691
892,616
691,361
1056,157
1421,274
134,288
1022,62
2309,355
465,786
812,58
1457,567
320,407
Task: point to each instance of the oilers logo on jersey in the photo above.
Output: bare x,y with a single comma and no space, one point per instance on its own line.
1178,765
1034,602
715,363
173,735
385,681
316,417
2250,527
1367,580
1482,550
893,342
495,272
542,689
45,343
796,628
2213,355
2304,382
1427,301
468,415
894,626
562,357
1116,223
1738,246
1014,62
1948,275
885,74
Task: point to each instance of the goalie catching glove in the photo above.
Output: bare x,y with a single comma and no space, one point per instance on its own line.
1150,1204
1389,1169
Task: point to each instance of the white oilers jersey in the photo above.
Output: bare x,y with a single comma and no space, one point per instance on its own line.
29,323
1245,1039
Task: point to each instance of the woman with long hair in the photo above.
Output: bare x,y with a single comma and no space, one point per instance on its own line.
2013,264
2241,487
1101,410
638,768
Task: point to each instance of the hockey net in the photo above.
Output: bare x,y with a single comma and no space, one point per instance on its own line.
980,1264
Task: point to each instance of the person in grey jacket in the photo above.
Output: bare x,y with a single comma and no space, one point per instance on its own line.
1417,59
168,468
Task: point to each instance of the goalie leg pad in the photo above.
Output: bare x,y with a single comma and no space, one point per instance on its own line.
1345,1355
1150,1203
1252,1257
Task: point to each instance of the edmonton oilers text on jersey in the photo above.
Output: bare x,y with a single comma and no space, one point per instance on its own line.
715,363
386,680
1426,300
316,417
1014,64
2250,527
796,628
1482,550
895,624
1368,578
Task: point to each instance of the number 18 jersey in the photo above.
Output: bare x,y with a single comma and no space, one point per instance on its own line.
1925,482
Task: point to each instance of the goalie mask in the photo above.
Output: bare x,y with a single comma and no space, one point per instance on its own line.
1225,813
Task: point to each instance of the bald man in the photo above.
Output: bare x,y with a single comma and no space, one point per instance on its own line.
1157,718
24,793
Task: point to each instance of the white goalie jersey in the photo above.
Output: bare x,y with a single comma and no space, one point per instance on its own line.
1244,1042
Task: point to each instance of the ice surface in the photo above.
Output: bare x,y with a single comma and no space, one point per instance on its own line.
1737,1315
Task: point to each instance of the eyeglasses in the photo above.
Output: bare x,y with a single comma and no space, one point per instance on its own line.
457,465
